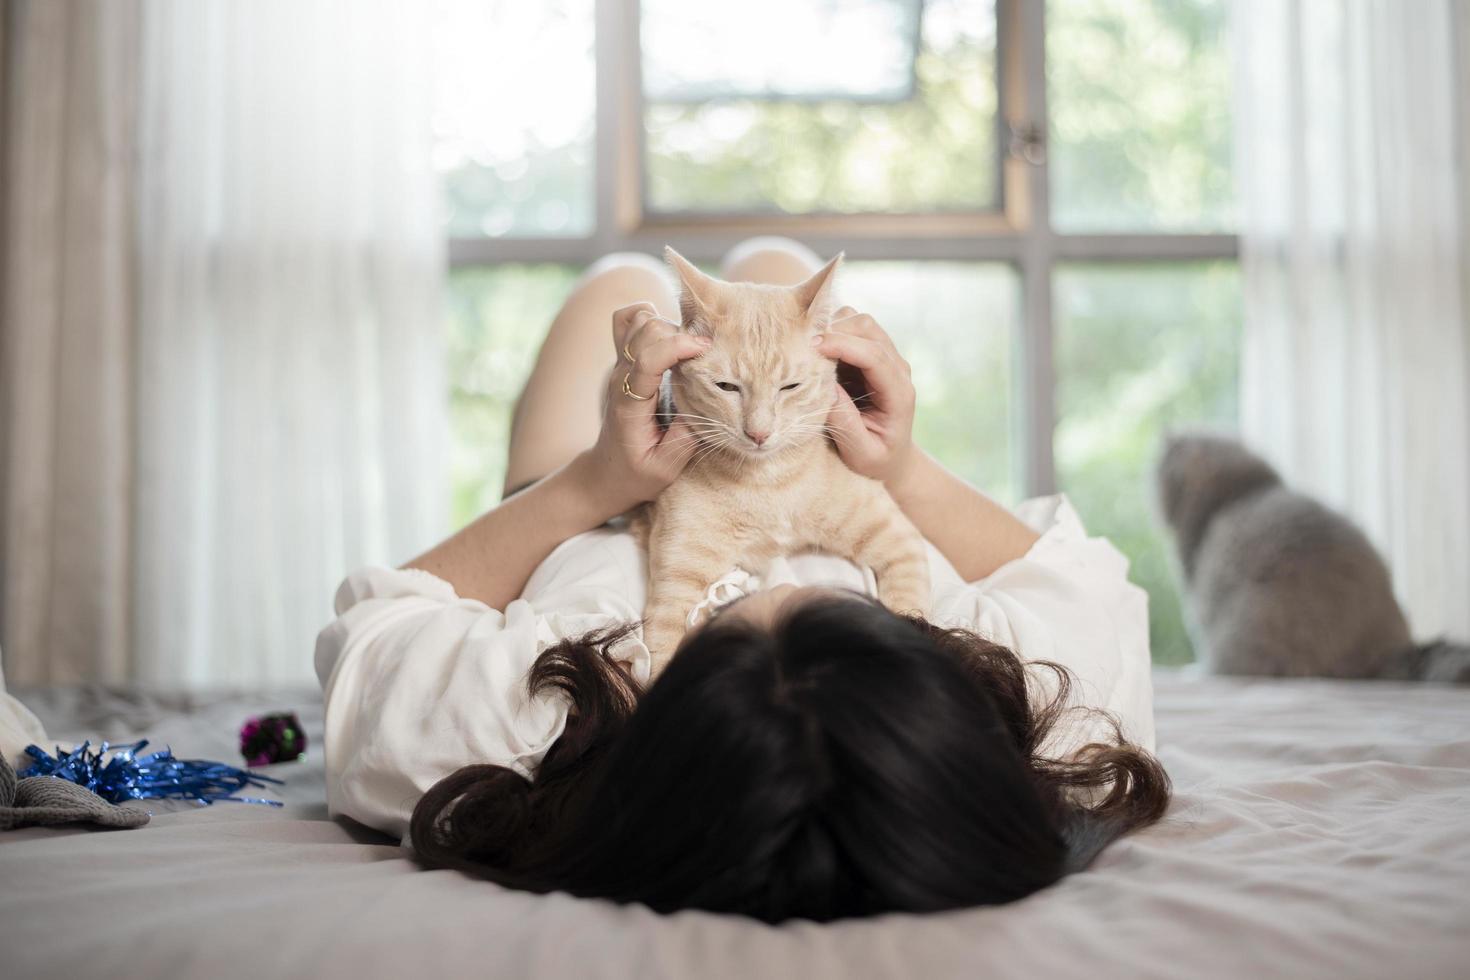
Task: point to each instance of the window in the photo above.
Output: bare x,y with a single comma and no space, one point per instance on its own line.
514,166
1035,199
1140,348
1139,114
782,124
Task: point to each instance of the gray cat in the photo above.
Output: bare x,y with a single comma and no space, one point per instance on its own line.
1280,584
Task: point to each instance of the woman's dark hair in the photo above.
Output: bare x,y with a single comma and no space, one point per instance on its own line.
846,762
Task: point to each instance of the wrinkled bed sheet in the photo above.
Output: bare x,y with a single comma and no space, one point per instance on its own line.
1321,829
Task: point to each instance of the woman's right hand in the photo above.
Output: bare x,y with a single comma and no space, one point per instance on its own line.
635,458
876,437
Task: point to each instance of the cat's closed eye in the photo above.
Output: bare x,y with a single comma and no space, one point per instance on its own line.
727,386
792,386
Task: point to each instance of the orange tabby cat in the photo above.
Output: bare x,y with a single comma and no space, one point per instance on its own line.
765,480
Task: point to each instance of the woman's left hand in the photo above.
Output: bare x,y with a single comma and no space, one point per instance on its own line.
876,438
635,458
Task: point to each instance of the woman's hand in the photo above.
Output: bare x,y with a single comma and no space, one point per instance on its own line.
874,436
873,429
635,458
492,558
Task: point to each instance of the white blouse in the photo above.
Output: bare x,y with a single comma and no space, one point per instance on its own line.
419,682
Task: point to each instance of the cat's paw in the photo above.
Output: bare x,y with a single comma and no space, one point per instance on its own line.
906,601
661,641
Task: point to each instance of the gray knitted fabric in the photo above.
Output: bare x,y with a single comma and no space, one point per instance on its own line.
38,800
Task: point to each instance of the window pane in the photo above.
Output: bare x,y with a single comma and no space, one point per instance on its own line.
497,318
1140,348
953,322
828,137
513,116
699,51
1139,100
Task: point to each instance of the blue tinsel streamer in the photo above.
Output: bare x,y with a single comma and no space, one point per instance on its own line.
155,776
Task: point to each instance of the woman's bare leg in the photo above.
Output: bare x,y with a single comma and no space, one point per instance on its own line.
559,412
773,260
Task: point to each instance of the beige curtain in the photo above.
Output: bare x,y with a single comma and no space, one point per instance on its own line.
221,369
65,374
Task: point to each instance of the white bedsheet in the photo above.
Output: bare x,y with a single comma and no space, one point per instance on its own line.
1321,829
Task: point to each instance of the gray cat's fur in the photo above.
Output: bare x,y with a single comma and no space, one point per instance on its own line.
1279,584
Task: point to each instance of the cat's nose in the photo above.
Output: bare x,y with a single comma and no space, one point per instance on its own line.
758,436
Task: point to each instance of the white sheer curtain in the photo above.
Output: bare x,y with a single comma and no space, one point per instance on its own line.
270,409
1354,255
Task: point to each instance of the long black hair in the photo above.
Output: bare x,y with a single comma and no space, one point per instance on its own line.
847,762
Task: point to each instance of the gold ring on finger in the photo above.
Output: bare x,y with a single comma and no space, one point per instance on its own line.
628,389
626,354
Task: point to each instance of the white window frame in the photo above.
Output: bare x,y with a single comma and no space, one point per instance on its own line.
1019,233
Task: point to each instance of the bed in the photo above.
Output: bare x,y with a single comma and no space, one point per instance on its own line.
1321,829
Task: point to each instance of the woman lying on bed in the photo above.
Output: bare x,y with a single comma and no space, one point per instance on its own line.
807,753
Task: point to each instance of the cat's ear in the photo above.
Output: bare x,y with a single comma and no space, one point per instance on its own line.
812,295
696,290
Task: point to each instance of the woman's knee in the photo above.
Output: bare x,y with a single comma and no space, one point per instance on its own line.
769,259
627,276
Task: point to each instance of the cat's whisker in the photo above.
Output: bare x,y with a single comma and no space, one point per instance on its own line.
696,424
842,443
837,435
707,447
693,439
686,455
693,449
689,415
697,441
704,454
